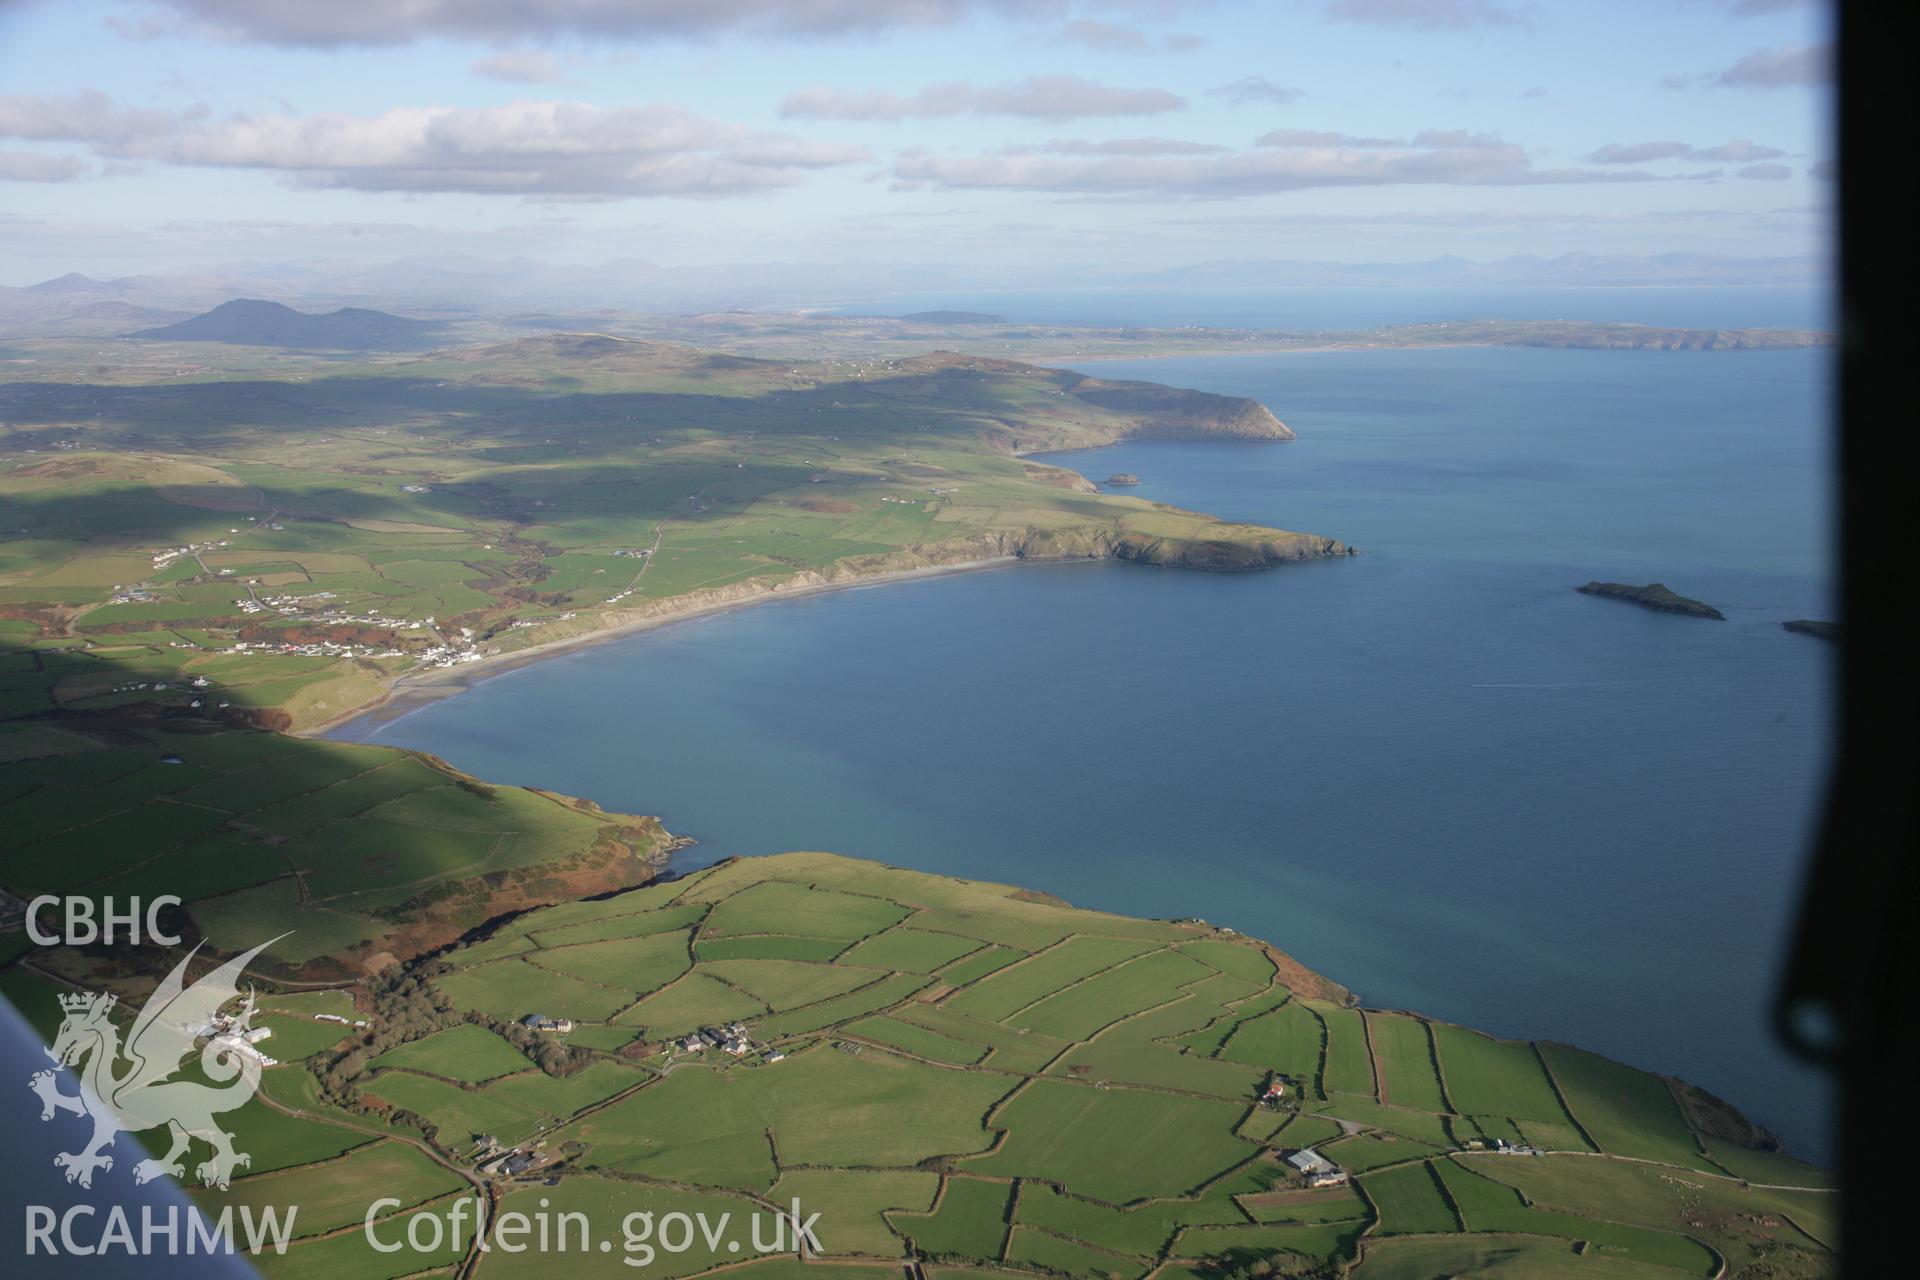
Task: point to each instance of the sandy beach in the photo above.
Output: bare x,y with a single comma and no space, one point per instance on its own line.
415,689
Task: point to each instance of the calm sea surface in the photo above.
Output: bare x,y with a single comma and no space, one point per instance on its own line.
1361,307
1434,772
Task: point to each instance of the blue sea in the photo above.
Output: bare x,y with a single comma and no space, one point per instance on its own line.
1433,772
1318,308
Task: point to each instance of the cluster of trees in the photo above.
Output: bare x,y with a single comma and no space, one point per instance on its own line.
407,1006
1246,1264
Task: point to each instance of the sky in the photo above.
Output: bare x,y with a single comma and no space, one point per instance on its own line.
162,135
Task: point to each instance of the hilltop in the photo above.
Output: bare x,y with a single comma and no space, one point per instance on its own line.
252,322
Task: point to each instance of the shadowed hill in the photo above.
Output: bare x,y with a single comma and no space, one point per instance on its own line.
1012,406
253,322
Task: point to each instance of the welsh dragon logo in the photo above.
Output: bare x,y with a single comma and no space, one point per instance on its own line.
129,1088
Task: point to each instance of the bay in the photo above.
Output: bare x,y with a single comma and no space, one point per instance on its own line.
1433,772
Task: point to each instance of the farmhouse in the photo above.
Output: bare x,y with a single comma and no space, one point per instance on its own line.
1316,1168
511,1163
541,1022
242,1043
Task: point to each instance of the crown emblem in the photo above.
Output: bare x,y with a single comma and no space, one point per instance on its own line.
81,1001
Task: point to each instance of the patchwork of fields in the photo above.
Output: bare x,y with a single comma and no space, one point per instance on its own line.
1084,1104
277,545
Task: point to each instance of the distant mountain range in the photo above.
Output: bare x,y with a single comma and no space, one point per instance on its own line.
452,288
253,322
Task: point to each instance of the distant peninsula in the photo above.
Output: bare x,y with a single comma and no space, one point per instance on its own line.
1832,632
1655,595
954,317
1123,477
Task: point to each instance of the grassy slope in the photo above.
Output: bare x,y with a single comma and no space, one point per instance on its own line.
352,850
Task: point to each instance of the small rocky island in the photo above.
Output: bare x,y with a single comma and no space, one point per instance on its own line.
1123,477
1655,596
1830,631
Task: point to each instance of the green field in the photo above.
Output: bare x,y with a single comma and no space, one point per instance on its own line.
1007,992
1408,1076
1655,1214
334,1195
1409,1200
1287,1040
1037,1250
1487,1077
466,1053
919,1041
1495,1258
913,950
632,966
854,1203
969,1220
1626,1112
1115,1145
1144,1231
1349,1065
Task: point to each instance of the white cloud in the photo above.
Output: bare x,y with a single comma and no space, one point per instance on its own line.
87,116
1433,157
1320,138
1113,37
1789,67
335,23
1118,147
28,166
1738,151
1794,66
1766,172
1107,37
1056,97
1427,15
548,149
523,66
1256,89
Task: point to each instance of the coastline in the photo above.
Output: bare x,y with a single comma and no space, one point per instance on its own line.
415,689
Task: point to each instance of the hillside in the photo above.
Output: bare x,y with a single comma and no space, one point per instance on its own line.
301,540
974,1076
251,322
